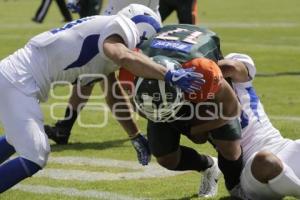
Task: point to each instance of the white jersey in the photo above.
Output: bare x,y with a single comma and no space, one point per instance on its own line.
115,6
258,133
63,54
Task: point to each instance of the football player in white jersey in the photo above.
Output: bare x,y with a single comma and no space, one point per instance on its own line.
271,162
93,45
61,131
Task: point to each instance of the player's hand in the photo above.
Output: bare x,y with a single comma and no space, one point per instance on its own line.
140,144
186,79
73,6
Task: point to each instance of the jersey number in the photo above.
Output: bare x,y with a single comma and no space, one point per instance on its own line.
191,38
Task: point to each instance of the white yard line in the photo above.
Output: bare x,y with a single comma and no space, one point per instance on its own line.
263,46
252,24
150,171
286,118
73,192
82,175
97,162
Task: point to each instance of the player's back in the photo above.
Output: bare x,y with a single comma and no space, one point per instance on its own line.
183,43
71,47
69,51
64,53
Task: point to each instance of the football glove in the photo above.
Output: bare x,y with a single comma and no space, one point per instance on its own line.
140,144
73,6
186,79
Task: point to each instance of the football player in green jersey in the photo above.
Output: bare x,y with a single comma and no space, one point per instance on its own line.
186,44
182,43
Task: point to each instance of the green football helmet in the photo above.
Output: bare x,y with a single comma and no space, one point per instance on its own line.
157,100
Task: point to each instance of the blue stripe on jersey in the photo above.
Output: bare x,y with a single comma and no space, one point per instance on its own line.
244,119
88,51
171,45
253,101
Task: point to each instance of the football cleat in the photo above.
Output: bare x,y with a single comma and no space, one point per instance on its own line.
58,134
209,181
239,193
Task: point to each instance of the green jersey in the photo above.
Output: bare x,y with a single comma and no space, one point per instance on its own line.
184,42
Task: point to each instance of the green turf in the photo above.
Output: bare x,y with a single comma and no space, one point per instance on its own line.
267,30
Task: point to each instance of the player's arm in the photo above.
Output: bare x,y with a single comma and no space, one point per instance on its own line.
117,100
120,106
115,49
228,109
234,69
239,67
140,65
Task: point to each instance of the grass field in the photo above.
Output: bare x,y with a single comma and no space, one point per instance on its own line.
100,163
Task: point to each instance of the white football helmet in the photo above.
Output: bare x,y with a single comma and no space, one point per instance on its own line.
147,21
157,100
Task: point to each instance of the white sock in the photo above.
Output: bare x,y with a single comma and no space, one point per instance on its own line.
286,183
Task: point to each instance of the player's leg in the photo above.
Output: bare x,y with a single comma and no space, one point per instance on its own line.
287,183
230,157
61,131
164,139
266,166
187,11
164,144
90,7
253,188
270,176
165,8
23,126
6,149
290,156
42,11
94,7
64,10
195,12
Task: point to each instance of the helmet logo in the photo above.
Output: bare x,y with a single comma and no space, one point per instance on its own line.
152,26
142,38
146,19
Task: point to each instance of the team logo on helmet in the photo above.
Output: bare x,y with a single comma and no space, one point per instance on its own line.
147,21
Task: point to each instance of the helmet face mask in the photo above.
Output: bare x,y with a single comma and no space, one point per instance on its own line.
156,99
147,21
